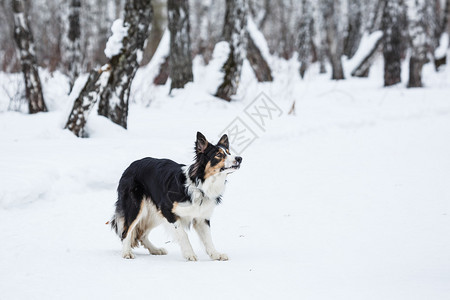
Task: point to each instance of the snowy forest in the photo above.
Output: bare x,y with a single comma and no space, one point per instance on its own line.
110,40
340,110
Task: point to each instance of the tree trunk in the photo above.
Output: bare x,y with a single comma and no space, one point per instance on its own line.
25,45
114,99
180,62
204,41
354,32
86,100
74,55
234,33
257,62
332,15
392,38
362,70
420,32
444,25
442,29
304,48
163,73
112,87
415,72
255,56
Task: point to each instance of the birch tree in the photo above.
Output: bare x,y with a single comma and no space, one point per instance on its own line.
25,46
332,15
392,39
234,33
180,62
305,36
420,27
73,51
111,84
354,27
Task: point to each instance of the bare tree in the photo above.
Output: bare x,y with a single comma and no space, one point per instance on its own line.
392,39
25,45
234,33
442,32
362,69
114,99
354,27
73,52
420,28
305,36
255,57
180,62
111,84
332,14
319,36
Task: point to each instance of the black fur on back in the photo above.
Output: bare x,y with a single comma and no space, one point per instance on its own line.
161,180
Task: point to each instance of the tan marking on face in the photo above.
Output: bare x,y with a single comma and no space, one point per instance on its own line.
212,170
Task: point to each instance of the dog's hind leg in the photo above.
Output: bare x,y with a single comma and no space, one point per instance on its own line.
131,234
150,247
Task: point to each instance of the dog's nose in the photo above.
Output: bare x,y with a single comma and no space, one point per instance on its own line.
238,159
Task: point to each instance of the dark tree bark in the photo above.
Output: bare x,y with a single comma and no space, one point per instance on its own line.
304,37
180,62
25,45
441,29
374,18
420,27
112,87
362,70
260,11
114,99
204,41
161,59
74,55
332,14
86,100
234,33
446,16
257,62
163,73
392,39
354,32
255,57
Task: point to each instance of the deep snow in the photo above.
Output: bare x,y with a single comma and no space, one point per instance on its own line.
348,199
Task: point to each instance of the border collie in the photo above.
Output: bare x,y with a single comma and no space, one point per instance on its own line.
154,191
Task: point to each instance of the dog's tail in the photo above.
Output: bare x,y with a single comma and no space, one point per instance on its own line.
113,223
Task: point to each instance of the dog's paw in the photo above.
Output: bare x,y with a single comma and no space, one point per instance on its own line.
218,256
191,257
158,251
128,255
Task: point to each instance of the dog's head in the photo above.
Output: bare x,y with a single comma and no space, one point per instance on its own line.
211,160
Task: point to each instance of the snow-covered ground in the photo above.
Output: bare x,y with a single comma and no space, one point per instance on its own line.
347,199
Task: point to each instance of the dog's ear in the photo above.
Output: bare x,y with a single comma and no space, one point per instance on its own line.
224,142
201,143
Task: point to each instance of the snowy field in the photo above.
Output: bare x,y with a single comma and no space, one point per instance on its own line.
347,199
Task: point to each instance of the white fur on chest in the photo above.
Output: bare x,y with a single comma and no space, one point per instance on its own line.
203,198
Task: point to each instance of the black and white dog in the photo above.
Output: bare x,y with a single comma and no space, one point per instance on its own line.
160,191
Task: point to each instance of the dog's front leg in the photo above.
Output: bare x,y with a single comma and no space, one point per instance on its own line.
183,240
202,226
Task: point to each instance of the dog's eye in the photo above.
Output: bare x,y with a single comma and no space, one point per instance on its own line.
219,155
